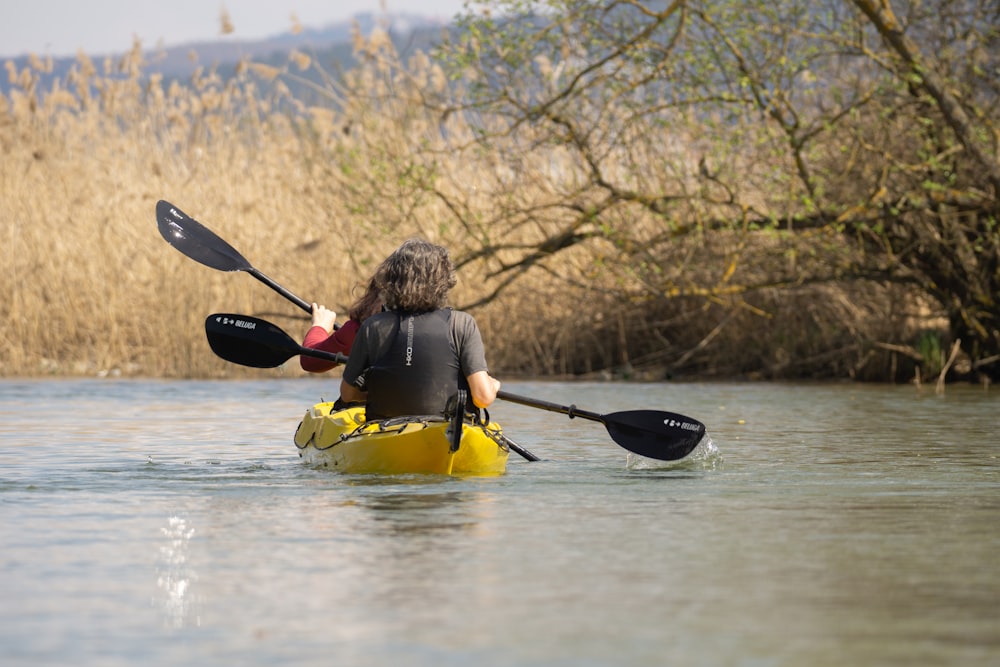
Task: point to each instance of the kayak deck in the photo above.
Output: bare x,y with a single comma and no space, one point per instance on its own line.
343,440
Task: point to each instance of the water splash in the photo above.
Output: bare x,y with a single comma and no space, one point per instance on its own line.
706,456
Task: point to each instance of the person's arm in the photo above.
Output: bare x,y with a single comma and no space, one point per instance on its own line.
351,394
484,388
322,336
472,360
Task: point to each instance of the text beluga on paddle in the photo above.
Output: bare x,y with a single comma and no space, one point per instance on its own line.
234,322
687,426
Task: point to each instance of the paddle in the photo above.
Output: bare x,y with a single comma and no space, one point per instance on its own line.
655,434
251,341
203,245
667,436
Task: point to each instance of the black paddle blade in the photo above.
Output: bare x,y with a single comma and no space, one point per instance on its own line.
196,240
666,436
249,341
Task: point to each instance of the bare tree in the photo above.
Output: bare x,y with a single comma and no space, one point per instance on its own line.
720,150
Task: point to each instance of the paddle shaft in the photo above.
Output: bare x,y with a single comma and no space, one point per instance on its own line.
570,410
301,303
518,449
322,354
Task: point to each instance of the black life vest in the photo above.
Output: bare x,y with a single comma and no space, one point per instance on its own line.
418,372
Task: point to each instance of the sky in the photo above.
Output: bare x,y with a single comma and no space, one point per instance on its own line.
99,27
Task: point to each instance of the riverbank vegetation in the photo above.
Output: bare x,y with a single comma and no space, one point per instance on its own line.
630,189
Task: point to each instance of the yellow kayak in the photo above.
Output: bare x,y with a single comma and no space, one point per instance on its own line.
342,440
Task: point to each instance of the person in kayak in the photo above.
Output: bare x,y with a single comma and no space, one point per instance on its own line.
323,335
414,356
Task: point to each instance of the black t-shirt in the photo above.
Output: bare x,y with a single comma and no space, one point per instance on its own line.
412,363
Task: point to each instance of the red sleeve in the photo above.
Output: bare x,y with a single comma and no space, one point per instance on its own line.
317,339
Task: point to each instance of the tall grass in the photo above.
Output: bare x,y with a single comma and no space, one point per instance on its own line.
90,286
314,195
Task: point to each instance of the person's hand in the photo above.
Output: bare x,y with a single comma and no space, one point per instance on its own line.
323,317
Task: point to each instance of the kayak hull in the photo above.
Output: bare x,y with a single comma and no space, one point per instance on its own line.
342,440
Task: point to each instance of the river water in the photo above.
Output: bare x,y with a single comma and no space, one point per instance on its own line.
172,523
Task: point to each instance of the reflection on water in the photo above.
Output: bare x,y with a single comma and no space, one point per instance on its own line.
175,576
424,512
415,505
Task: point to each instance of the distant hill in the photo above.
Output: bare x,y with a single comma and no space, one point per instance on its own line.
313,41
330,45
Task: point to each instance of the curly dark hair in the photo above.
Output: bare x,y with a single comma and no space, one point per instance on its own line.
416,277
